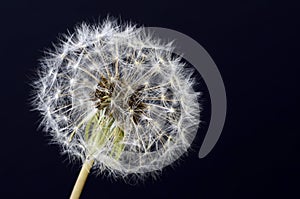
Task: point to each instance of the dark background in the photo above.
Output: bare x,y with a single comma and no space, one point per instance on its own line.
254,44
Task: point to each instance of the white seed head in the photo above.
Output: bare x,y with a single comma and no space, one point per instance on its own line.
117,95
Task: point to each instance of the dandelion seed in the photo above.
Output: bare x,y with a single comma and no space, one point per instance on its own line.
117,99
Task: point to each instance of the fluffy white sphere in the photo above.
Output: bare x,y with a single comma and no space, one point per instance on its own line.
114,94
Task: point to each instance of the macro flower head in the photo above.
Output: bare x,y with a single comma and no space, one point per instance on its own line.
114,94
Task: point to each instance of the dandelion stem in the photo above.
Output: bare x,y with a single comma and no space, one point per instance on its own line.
85,170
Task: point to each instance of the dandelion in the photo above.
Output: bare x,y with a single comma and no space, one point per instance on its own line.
117,99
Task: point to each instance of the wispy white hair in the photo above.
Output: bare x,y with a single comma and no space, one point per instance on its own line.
115,94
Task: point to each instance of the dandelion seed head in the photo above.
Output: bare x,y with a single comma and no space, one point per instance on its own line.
114,93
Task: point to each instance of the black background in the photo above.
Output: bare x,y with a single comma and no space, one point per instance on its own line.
252,42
